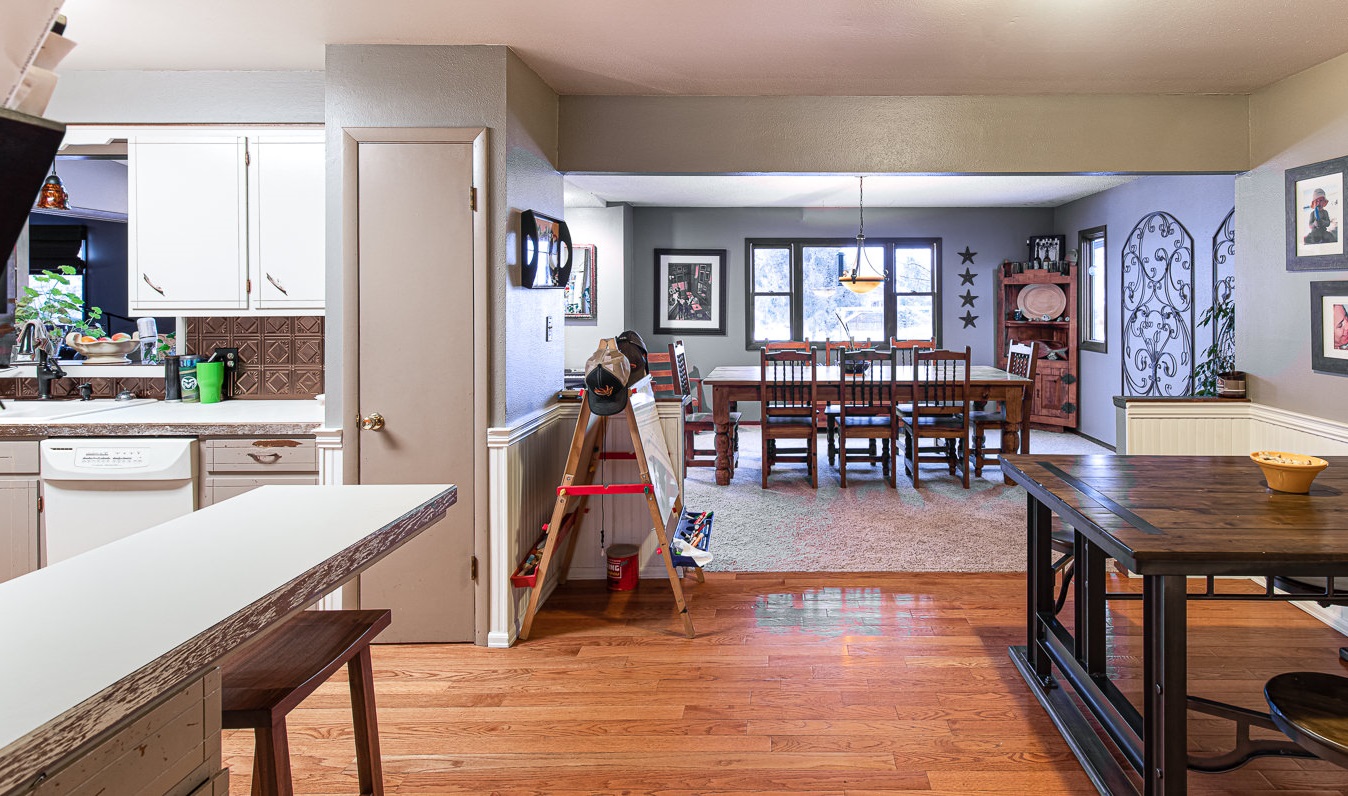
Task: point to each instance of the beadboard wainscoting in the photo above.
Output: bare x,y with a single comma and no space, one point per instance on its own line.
1215,428
329,444
526,462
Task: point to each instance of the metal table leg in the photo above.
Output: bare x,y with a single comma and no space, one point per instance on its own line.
1039,569
1165,741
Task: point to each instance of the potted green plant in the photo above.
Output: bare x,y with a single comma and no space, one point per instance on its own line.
1216,374
59,310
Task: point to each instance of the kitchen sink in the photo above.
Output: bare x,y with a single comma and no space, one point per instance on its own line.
39,411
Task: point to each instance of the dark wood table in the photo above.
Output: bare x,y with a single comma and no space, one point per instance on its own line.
730,383
1166,518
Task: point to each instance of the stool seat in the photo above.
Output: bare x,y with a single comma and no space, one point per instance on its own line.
1312,709
263,682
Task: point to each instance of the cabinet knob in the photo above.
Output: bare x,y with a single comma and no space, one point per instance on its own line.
372,422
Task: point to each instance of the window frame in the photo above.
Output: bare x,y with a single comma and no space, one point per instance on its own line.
1085,281
797,247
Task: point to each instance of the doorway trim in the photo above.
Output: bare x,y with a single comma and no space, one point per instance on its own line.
351,139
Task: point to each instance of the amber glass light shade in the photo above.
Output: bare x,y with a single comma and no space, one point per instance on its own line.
53,195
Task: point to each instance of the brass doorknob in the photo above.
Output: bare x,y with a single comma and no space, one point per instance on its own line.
372,422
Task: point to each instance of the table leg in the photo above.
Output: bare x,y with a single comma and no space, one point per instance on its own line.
1016,430
1039,532
720,418
1165,700
1089,606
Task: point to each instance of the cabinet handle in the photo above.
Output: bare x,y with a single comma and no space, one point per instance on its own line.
276,284
157,288
265,458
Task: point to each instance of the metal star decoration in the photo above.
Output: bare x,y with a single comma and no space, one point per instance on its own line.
969,318
967,278
966,256
967,298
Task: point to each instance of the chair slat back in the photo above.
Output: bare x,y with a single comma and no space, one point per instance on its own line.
660,365
832,349
787,384
866,389
941,382
787,345
906,349
683,383
1020,360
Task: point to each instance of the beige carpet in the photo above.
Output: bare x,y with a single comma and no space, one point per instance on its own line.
867,527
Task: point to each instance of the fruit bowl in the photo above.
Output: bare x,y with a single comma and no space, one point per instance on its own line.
103,350
1288,472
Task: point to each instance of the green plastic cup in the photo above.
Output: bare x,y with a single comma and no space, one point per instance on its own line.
210,378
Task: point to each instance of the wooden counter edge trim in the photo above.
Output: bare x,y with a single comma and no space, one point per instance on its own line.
56,744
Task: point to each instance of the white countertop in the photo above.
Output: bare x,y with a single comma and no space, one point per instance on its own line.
79,627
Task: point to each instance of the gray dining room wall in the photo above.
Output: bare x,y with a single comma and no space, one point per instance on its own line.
1200,202
993,234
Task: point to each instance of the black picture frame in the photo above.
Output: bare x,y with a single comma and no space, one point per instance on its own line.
690,291
1046,248
1315,238
1329,329
580,302
545,251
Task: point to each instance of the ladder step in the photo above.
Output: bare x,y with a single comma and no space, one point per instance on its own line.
610,489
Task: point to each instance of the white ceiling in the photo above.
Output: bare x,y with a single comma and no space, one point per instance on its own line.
832,190
756,47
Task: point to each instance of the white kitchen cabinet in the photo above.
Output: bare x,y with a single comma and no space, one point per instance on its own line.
235,466
226,222
18,526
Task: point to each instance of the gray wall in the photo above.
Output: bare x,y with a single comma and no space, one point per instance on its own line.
478,86
132,97
994,234
609,230
1200,203
1295,122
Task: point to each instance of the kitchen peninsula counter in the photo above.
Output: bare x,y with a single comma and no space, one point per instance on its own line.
97,642
171,419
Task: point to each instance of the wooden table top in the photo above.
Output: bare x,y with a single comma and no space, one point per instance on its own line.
741,375
1195,515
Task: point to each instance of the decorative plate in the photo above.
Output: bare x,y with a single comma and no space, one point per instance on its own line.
1036,301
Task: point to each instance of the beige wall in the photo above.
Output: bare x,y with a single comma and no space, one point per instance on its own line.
1016,134
1300,120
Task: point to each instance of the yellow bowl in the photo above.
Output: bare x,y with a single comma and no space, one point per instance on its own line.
1288,472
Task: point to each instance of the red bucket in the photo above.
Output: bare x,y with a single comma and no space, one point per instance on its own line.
622,567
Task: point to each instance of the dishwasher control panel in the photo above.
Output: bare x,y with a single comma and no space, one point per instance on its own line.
110,458
118,459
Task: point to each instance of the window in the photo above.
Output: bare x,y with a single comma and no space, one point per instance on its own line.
1094,287
794,292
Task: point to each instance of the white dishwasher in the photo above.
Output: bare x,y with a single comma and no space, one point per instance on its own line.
96,491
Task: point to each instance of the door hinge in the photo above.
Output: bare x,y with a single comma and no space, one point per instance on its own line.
472,199
248,286
247,158
39,504
473,566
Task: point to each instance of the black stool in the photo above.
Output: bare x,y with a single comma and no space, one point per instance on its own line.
1312,709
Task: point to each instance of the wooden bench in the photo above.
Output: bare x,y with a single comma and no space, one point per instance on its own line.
265,681
1312,709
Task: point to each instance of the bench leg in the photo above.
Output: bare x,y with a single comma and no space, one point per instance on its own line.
271,760
371,771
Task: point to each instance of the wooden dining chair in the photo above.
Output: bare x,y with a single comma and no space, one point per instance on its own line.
828,411
660,366
866,410
788,345
788,392
940,410
905,349
697,416
1020,361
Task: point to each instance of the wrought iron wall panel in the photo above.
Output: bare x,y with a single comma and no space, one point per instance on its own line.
1224,278
1158,307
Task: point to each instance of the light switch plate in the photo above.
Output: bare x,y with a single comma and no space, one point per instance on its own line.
547,330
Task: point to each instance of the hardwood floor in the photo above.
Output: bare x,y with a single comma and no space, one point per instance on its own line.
819,684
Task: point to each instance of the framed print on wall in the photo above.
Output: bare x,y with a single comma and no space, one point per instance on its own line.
1314,216
582,292
1329,327
690,291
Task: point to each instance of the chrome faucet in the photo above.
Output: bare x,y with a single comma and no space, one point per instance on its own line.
34,339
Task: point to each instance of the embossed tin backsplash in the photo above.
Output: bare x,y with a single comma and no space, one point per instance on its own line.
281,357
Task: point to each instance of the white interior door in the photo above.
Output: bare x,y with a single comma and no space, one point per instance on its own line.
416,287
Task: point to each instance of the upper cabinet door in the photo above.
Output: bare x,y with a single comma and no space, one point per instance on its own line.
287,208
188,226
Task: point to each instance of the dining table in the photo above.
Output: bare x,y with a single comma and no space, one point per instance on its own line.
734,383
1170,520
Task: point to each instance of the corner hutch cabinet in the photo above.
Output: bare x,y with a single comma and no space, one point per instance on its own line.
1054,404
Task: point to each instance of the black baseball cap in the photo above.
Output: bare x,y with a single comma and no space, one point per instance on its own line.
634,348
606,374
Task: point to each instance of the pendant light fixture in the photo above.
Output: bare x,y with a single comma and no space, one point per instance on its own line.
53,195
864,277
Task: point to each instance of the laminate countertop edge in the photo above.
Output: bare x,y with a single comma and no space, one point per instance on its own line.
202,429
64,739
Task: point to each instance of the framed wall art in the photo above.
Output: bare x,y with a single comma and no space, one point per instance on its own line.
581,293
1329,327
1047,248
545,251
1314,216
690,291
